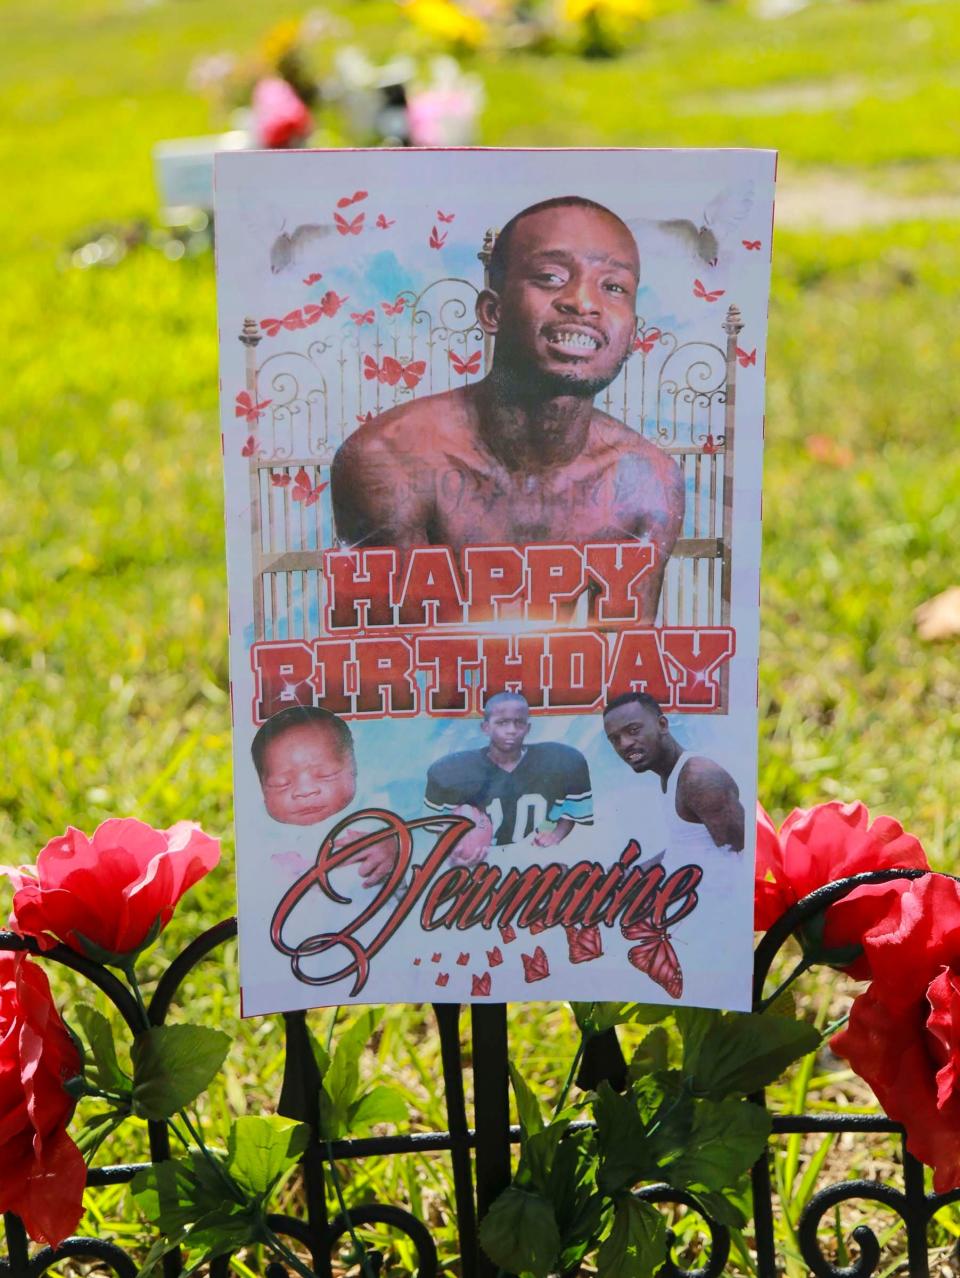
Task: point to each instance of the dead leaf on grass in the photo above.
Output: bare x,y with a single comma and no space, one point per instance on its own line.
939,617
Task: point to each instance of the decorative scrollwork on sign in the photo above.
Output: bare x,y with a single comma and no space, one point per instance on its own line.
719,1235
298,396
446,316
700,382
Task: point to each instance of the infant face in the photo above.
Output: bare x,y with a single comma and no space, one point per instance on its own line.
306,778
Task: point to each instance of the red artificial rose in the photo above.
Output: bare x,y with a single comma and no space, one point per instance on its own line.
42,1173
117,889
279,117
904,1030
820,845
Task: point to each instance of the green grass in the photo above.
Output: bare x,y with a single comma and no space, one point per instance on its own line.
113,671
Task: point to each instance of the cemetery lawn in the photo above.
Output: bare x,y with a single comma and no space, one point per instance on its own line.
113,663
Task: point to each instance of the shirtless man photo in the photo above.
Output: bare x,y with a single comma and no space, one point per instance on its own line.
523,456
701,802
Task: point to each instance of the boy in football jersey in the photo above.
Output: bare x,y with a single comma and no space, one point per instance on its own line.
541,789
507,788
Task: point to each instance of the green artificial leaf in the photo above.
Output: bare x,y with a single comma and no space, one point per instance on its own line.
694,1023
320,1055
785,1004
528,1107
649,1013
262,1148
726,1138
381,1104
570,1182
222,1231
652,1055
589,1224
636,1246
171,1196
95,1129
519,1233
110,958
668,1126
596,1018
740,1052
98,1032
720,1208
625,1155
540,1152
172,1065
161,1247
341,1078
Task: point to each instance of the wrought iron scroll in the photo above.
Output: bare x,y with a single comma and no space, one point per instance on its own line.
480,1155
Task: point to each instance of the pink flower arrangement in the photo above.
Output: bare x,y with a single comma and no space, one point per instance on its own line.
280,118
42,1173
117,890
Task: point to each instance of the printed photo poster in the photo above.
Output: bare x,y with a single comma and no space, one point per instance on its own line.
492,427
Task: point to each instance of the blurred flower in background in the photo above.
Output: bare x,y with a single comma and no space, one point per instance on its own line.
280,118
446,111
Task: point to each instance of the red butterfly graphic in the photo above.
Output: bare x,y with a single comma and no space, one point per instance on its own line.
507,933
535,965
364,419
251,448
699,290
416,962
279,481
245,407
711,446
313,277
537,927
745,357
465,367
391,372
655,956
751,244
445,217
584,943
292,320
349,228
495,956
442,978
384,223
463,960
331,303
303,490
437,240
394,308
346,200
480,984
647,340
367,317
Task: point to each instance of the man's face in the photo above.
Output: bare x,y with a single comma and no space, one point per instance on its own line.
636,733
567,310
305,777
507,725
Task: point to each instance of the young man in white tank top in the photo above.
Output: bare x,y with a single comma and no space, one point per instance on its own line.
702,808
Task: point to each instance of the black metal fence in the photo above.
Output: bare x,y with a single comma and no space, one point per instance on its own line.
481,1155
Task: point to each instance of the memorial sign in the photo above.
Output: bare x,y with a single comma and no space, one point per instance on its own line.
492,431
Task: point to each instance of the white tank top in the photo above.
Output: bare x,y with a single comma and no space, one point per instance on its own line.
687,840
